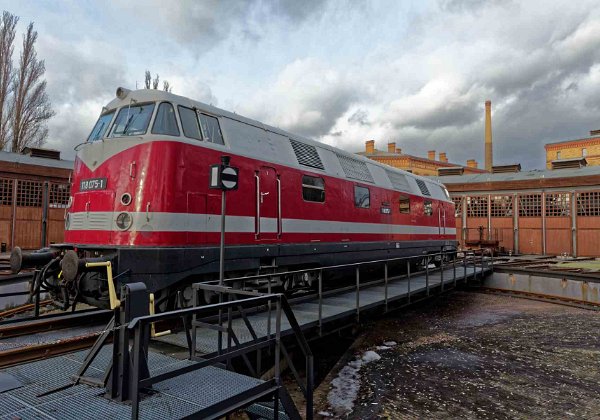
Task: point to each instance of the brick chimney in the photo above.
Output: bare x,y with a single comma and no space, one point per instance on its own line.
489,159
370,147
472,163
398,150
431,155
392,147
443,157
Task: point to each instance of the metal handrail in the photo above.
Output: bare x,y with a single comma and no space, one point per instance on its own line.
140,326
338,266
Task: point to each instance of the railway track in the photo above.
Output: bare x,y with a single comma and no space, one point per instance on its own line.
51,335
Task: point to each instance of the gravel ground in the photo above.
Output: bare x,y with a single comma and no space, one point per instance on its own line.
472,355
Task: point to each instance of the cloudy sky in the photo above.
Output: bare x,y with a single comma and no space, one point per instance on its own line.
413,72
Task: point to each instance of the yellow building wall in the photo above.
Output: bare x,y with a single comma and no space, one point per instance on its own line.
574,150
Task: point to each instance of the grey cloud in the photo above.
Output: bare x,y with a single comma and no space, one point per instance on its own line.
79,84
210,22
360,117
328,106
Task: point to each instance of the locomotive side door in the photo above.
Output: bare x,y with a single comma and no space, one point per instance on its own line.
268,204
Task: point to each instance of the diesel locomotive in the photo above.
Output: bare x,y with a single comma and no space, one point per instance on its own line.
140,198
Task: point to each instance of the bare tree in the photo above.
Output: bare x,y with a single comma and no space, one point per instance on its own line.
30,107
7,37
149,82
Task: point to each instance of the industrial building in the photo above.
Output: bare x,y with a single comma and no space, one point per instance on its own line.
580,152
34,193
550,212
418,165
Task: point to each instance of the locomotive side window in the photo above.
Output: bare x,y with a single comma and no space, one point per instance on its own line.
211,131
313,189
132,120
427,208
101,126
189,123
404,204
165,121
362,197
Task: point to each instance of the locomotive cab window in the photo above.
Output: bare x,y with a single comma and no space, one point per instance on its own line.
313,189
101,126
211,131
165,121
362,197
404,204
189,123
428,208
132,120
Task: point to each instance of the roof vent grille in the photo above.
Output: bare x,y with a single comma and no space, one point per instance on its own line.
354,168
423,187
307,155
398,181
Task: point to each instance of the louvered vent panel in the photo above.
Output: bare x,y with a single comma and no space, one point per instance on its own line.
355,169
307,155
398,181
423,187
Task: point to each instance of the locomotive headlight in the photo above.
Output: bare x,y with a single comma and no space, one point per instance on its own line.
124,221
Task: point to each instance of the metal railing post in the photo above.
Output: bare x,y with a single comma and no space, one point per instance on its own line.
408,271
466,275
427,275
277,356
385,279
320,302
442,272
358,293
454,270
309,386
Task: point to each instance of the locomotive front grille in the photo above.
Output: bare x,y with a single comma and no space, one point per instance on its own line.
91,221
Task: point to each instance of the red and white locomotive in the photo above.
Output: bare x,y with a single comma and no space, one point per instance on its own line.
141,199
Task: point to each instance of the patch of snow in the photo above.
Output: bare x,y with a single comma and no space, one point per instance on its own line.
346,385
389,343
370,356
382,348
325,414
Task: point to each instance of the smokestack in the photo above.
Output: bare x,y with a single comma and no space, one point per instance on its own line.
391,147
443,157
431,155
489,160
472,163
370,147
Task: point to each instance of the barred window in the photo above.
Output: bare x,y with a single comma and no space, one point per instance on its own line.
530,205
588,203
29,194
502,206
59,196
477,206
6,192
558,204
457,206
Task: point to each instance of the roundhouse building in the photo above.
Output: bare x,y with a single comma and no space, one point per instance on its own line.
534,212
34,194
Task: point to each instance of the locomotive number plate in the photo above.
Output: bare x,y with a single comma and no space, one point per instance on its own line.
92,184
